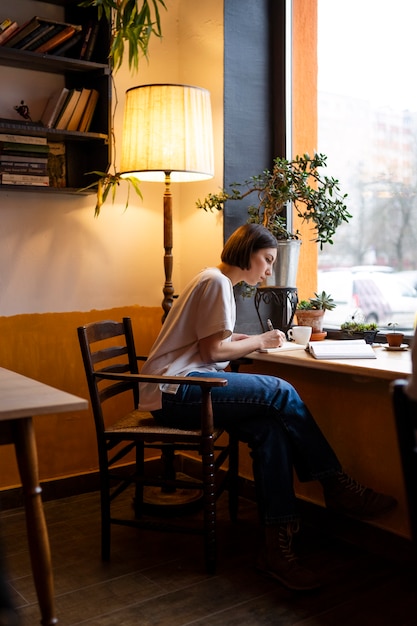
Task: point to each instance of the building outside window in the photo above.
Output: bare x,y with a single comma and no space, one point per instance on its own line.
367,127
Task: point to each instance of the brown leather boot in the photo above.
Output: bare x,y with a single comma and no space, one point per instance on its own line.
345,495
278,560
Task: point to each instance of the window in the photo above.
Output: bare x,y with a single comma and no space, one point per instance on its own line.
367,127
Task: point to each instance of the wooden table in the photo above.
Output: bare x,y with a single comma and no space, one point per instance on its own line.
350,400
388,365
20,399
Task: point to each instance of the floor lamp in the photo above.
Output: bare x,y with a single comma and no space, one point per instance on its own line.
167,137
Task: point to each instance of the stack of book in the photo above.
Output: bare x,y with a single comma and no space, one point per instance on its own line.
41,35
23,160
70,109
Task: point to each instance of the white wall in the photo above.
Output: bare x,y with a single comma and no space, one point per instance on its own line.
55,256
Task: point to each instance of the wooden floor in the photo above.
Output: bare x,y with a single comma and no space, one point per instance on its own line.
159,579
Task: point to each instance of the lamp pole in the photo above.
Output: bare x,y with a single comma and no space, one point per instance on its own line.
168,288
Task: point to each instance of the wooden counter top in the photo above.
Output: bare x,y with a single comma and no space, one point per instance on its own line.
387,365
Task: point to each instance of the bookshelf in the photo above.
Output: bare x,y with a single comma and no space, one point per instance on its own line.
84,151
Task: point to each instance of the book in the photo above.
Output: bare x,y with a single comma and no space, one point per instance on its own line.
334,349
68,109
79,110
5,24
22,32
6,34
68,45
39,36
53,107
57,168
21,167
11,138
87,32
88,114
4,158
34,35
11,149
56,40
92,42
24,179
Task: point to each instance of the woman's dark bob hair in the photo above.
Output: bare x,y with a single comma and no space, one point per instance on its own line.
243,242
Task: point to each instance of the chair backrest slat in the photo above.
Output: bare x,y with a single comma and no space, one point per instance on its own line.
101,354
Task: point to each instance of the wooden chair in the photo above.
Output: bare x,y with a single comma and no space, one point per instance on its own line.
405,412
111,367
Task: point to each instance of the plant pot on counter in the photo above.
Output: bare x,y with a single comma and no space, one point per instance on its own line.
368,335
394,340
313,318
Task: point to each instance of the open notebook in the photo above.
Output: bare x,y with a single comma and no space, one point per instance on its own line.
348,349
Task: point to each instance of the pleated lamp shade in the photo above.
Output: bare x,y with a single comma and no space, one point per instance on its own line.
167,129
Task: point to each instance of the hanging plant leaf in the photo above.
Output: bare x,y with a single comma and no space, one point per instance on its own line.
132,23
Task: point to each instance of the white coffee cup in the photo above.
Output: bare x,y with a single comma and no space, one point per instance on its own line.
300,334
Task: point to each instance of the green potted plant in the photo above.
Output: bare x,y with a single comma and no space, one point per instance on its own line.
394,338
311,312
315,197
357,329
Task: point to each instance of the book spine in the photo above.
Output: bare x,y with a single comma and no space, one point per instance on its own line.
32,171
6,34
87,36
24,179
35,169
47,31
17,153
5,24
7,158
22,32
29,37
56,40
68,45
26,139
53,107
92,42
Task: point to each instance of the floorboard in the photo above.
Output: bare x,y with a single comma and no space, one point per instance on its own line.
158,579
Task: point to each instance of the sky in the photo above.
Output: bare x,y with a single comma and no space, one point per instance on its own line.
367,48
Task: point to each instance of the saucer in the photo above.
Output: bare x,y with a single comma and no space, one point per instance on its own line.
318,336
403,346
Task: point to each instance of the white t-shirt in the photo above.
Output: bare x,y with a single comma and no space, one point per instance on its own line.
205,307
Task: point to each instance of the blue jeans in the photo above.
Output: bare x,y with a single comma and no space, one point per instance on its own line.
268,414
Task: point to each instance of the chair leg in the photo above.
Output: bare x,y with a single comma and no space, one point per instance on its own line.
233,478
105,515
140,471
209,511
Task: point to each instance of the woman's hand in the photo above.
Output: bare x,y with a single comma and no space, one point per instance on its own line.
272,339
216,349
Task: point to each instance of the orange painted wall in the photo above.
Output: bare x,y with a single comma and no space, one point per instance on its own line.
45,347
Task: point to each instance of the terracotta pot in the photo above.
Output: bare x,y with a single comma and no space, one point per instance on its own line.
395,339
313,318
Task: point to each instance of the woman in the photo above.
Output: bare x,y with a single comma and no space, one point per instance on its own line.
265,412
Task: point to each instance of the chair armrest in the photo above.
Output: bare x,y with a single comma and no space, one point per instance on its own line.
203,382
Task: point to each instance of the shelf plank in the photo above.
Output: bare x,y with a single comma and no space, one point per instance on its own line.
24,59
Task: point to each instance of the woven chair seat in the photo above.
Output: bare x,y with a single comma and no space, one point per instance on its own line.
143,420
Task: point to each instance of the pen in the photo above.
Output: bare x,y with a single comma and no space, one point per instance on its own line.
269,324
